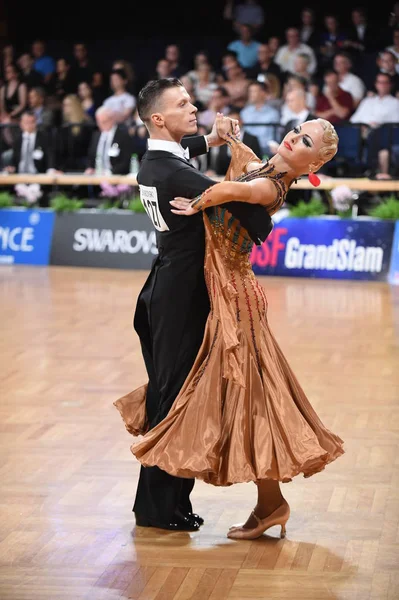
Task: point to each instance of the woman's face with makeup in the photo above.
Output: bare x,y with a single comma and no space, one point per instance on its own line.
301,146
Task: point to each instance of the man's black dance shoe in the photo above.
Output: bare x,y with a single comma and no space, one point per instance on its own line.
179,523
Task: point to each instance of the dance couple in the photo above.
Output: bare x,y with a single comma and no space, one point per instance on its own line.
221,403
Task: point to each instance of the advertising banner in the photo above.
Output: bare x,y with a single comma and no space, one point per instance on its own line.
394,269
25,236
92,238
326,248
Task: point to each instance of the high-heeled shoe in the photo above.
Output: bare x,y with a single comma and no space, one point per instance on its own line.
279,517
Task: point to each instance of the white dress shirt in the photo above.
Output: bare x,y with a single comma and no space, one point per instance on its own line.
376,109
173,147
26,163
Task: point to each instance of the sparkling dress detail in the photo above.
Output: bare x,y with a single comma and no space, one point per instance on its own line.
241,415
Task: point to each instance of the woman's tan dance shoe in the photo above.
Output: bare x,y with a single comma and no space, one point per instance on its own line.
279,517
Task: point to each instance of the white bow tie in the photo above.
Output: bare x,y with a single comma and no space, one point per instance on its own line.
186,153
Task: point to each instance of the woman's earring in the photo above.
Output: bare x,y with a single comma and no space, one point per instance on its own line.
314,180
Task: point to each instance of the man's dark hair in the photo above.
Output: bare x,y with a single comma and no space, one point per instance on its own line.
330,70
151,93
29,113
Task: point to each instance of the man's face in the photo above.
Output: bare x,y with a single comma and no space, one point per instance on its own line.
105,121
38,49
176,113
79,52
383,85
331,81
34,99
28,123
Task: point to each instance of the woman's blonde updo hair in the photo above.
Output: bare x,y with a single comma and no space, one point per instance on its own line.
330,141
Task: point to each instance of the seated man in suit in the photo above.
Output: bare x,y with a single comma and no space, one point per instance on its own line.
110,148
219,157
31,152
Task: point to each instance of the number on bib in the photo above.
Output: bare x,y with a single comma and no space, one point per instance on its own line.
149,199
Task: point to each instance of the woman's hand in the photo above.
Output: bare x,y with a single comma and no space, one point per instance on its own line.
226,126
183,207
222,126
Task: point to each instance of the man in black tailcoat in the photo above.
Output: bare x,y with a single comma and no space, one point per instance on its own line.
173,306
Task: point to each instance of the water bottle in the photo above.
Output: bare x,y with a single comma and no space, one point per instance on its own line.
134,165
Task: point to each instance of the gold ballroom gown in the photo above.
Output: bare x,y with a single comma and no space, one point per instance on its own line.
241,414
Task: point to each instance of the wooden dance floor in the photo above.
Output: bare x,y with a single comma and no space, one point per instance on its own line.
68,478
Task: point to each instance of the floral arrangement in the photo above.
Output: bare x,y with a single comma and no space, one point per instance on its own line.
30,193
118,196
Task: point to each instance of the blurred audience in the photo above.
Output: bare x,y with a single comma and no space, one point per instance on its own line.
110,146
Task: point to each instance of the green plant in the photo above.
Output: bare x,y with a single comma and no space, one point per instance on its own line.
345,214
6,199
313,208
388,209
135,205
63,203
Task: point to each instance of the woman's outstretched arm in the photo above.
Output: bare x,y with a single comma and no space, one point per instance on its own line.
258,191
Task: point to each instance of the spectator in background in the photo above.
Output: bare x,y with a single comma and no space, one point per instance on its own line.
13,96
110,147
301,67
379,109
84,69
375,112
274,44
362,36
121,102
333,104
295,82
62,82
285,55
173,55
163,69
13,101
219,102
308,32
74,136
85,94
348,81
7,58
385,63
265,65
201,58
36,101
204,86
259,110
331,41
31,149
246,47
237,85
127,67
228,58
29,75
246,12
43,63
394,47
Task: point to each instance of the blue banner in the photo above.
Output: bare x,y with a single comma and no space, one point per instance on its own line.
25,236
328,248
394,269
